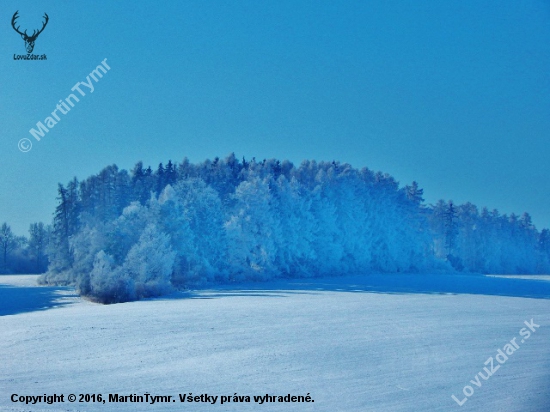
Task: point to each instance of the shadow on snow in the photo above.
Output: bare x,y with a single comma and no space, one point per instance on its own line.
381,283
20,299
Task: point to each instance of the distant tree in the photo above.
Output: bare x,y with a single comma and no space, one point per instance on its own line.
544,241
184,169
199,236
451,227
174,219
170,173
60,252
252,231
161,178
8,242
38,241
469,242
414,193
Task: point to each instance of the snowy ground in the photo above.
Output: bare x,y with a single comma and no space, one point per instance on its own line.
531,277
370,343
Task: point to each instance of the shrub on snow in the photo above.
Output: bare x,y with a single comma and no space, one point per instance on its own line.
146,270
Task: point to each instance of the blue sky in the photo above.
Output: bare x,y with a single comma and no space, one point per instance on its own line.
452,94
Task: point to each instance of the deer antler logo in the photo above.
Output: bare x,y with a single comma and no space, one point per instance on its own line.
29,40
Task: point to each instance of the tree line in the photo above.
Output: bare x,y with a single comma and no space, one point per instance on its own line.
21,254
122,235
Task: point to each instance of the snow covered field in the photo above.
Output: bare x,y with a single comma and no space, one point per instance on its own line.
364,343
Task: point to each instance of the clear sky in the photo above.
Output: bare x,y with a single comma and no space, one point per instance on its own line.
454,94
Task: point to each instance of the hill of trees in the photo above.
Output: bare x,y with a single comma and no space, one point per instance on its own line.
121,235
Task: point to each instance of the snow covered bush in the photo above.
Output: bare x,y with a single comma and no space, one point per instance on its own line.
146,270
109,284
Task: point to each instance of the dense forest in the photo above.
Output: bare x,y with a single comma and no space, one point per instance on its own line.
120,235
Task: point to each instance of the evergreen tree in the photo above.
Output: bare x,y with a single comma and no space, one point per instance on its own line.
170,173
451,228
38,241
414,193
160,175
59,250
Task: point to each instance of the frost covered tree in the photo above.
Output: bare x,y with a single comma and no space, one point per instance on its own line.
252,230
201,219
150,262
295,250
